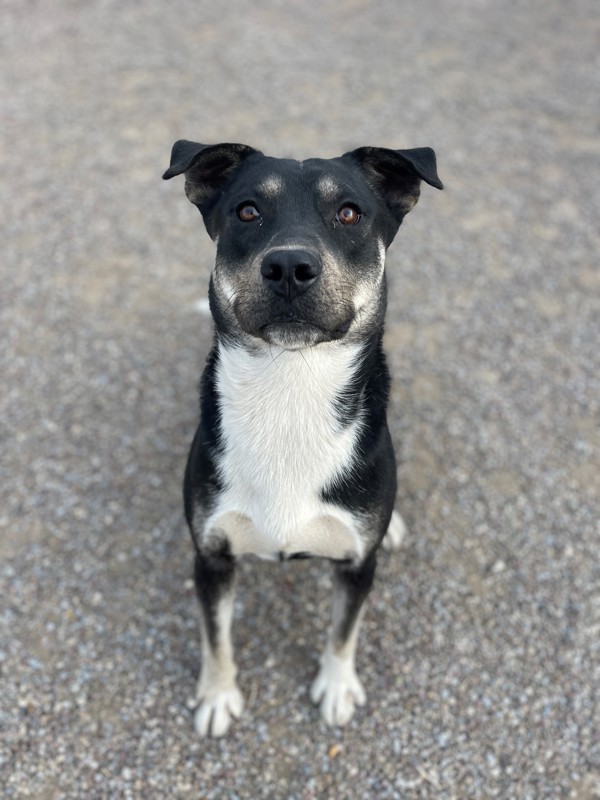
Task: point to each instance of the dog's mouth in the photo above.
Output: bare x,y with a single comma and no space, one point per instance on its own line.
294,334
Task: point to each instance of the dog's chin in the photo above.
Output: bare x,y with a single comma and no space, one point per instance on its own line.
297,335
292,335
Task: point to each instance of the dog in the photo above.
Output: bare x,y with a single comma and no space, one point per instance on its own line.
292,457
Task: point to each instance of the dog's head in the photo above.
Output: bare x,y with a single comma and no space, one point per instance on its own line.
300,245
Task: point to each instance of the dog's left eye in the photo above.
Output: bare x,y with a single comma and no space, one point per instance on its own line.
248,213
348,215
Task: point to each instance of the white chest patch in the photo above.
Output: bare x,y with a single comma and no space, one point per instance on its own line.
283,444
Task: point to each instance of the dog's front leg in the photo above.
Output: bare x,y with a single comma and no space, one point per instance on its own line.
218,697
337,687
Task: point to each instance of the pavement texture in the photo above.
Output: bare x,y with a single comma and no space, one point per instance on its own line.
479,649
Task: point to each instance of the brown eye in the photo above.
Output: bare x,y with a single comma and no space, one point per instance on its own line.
348,215
248,213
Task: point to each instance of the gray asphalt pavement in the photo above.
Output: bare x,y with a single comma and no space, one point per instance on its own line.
480,646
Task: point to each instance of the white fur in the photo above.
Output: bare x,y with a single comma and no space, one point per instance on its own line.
218,698
214,715
283,445
337,689
396,533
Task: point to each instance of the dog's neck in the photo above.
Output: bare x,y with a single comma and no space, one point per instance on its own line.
323,372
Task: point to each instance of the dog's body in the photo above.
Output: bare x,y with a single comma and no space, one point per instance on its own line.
293,457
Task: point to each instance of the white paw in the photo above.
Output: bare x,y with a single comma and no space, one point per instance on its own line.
396,533
214,715
337,689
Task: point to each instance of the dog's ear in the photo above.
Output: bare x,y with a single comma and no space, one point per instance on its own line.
396,175
207,168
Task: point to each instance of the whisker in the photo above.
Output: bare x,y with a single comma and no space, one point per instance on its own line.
306,362
273,358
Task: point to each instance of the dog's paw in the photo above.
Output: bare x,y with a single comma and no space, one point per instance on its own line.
396,533
214,715
337,689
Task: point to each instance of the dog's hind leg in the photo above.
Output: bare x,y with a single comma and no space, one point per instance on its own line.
337,687
396,533
218,697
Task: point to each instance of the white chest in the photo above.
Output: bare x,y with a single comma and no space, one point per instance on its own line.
283,444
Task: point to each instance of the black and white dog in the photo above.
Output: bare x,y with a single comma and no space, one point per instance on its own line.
293,457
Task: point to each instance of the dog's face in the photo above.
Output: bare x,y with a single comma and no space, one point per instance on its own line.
300,245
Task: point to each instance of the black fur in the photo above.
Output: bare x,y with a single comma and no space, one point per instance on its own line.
214,574
201,482
370,486
355,583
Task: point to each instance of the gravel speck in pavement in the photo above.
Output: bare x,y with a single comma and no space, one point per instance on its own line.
479,649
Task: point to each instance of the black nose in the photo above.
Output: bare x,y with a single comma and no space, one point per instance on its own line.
289,273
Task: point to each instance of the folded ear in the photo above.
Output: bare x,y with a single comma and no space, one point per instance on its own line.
207,168
397,174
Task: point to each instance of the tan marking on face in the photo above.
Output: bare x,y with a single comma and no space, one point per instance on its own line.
367,291
224,287
271,186
327,187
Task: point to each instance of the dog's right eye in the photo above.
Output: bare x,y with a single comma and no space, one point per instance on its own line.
248,213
